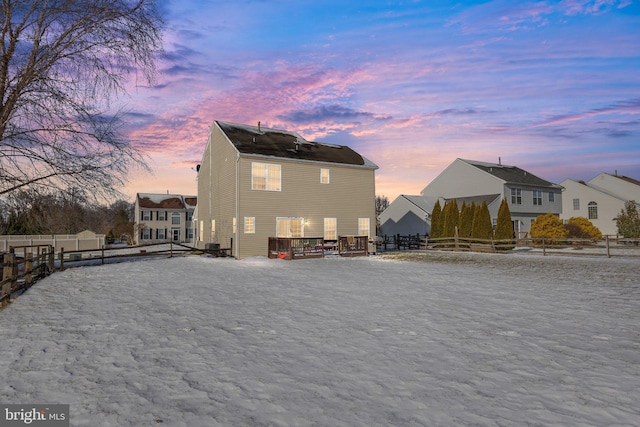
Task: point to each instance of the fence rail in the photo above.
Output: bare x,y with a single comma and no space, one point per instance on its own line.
19,273
608,246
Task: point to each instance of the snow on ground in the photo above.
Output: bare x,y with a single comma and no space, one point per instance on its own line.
445,339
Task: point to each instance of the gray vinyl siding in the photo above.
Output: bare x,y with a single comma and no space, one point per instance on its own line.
350,195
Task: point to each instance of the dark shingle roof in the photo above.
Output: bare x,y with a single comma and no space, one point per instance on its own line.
511,174
165,201
278,143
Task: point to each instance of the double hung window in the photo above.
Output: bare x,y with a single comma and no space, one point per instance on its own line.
266,177
516,196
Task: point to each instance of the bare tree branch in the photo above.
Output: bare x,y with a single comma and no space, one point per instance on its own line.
61,63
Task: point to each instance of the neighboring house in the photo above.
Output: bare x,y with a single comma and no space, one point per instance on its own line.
407,215
471,181
600,200
255,183
163,218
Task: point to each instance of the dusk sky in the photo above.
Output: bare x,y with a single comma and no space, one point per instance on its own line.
550,86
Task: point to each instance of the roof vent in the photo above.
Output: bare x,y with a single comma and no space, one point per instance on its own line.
258,125
499,161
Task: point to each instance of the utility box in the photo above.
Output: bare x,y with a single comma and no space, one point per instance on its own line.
212,246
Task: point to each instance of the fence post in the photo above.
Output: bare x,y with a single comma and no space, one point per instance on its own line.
61,259
28,268
52,255
544,248
102,256
171,249
8,275
606,239
455,238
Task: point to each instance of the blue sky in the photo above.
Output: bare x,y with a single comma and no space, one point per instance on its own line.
550,86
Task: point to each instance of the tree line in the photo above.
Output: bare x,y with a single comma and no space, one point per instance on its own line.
29,213
470,221
474,221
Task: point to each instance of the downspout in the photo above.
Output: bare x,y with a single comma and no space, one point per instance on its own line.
234,248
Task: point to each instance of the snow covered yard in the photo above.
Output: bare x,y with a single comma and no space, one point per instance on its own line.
446,339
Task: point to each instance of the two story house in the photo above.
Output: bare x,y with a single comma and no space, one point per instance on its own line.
600,199
255,183
163,218
472,181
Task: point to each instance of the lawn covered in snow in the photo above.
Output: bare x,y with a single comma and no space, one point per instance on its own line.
444,339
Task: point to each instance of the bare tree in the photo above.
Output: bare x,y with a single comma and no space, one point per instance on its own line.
382,202
61,63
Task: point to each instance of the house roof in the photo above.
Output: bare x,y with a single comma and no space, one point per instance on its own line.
165,201
420,201
489,198
627,179
511,174
254,140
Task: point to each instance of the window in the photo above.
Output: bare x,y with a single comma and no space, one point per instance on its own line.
201,231
331,229
213,230
249,225
161,234
175,218
576,204
146,215
189,216
552,197
363,226
516,196
290,227
324,176
592,209
161,215
190,233
265,177
537,198
235,225
146,233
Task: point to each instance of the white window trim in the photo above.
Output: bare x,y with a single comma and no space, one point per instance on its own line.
282,218
249,225
334,231
323,176
176,216
267,177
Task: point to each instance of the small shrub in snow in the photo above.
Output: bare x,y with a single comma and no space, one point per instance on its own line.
548,226
582,228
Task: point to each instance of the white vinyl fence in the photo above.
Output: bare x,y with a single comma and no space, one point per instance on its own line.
86,240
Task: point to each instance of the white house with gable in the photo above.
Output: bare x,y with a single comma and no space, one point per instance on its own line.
600,199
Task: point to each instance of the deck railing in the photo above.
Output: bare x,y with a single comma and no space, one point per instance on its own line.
296,247
353,245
